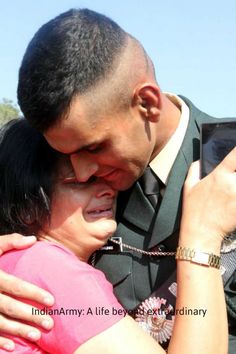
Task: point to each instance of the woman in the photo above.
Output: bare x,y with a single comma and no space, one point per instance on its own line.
39,194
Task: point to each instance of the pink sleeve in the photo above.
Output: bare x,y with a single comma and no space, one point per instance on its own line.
85,304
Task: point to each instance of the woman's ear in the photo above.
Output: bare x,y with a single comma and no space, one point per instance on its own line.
147,98
28,219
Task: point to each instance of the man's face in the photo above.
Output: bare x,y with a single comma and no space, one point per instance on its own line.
116,147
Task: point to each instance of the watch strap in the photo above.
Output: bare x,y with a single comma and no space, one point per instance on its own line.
198,257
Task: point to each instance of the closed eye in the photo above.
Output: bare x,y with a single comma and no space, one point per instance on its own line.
93,149
70,180
73,180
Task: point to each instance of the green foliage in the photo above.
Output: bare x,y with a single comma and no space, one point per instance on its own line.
8,111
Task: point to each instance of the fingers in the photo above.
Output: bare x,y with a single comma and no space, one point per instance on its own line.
193,176
209,204
229,162
224,177
227,165
19,329
17,241
18,310
13,308
7,344
20,288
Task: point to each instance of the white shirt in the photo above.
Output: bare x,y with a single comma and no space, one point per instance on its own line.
164,161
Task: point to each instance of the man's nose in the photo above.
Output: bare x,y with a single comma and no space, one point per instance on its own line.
83,166
104,189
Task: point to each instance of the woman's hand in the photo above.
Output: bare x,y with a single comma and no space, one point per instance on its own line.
209,205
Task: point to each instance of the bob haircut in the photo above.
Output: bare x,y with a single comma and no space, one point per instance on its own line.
28,167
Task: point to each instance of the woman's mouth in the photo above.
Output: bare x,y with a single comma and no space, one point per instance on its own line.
101,212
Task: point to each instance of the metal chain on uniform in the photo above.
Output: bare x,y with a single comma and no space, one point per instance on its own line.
147,253
135,249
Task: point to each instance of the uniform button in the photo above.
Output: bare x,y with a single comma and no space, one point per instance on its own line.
161,248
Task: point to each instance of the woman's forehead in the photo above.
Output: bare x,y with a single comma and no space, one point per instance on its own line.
65,168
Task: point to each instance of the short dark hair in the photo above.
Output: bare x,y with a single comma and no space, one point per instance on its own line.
27,175
67,56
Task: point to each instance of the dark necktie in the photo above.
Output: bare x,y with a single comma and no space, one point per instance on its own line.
151,185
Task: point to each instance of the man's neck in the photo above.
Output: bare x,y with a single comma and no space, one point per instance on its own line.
167,125
164,160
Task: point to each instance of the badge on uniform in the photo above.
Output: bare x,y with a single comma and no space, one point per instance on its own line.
156,317
228,256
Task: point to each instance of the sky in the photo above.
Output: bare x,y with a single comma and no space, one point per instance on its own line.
192,43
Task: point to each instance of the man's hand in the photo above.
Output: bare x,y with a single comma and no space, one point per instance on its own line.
15,241
10,308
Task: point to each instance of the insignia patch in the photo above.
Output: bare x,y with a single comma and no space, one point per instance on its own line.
156,317
222,270
173,289
229,243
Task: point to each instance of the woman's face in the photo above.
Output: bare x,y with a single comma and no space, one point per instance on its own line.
82,214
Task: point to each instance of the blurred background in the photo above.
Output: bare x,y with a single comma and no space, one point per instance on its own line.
192,44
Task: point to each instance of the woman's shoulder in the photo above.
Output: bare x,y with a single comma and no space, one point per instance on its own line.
47,260
53,254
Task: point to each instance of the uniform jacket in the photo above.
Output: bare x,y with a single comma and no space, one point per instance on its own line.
136,276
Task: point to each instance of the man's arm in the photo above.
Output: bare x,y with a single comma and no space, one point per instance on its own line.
10,308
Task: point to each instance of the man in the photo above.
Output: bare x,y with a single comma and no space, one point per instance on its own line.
90,88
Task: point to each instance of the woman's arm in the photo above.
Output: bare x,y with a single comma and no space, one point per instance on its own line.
208,216
198,288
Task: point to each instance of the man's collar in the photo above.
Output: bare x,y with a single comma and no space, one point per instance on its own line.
164,161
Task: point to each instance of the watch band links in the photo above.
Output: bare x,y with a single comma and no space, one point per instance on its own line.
196,256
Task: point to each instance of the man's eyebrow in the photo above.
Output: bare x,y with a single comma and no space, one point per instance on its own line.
82,148
75,151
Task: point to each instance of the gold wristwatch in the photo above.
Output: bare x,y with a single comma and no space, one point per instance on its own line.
196,256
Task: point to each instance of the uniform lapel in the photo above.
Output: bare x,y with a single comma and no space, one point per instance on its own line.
168,217
167,220
138,216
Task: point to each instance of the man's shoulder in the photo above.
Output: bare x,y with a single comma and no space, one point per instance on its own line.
200,115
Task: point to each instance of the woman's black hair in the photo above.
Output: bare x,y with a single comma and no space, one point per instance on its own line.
27,173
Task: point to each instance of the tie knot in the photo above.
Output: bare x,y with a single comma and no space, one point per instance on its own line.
149,182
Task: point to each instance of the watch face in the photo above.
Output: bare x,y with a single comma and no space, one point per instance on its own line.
217,140
201,257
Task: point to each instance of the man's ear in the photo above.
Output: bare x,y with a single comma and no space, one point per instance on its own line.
147,98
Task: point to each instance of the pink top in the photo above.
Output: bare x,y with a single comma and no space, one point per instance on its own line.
84,301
